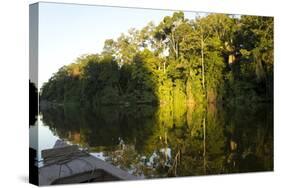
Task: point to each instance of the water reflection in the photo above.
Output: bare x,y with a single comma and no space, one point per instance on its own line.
41,137
168,141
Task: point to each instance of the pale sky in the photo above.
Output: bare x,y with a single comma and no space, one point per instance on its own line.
67,31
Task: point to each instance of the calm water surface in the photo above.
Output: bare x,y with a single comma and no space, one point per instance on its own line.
166,141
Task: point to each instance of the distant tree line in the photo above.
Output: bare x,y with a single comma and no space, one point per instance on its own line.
217,58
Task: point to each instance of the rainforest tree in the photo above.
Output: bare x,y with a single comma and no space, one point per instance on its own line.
217,58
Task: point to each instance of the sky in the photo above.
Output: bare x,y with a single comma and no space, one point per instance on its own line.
67,31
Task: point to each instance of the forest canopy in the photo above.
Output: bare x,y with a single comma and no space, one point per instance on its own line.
218,58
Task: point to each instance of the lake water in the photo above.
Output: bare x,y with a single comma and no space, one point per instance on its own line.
166,141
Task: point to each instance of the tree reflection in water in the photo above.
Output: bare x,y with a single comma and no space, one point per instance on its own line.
171,140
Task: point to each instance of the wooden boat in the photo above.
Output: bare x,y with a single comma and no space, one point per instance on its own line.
65,164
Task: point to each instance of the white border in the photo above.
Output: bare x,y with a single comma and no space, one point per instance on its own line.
14,91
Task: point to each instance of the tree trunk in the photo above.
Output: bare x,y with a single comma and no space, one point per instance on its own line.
174,45
204,143
202,62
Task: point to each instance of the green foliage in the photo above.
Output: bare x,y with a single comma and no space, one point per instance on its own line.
139,138
186,68
216,58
